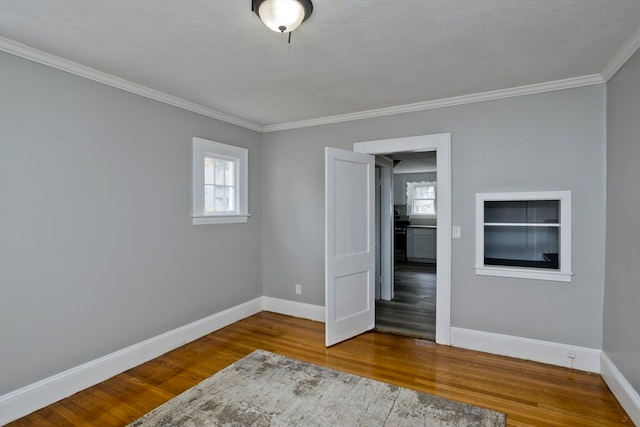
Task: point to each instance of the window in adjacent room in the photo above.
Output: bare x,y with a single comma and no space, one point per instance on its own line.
525,235
421,198
219,182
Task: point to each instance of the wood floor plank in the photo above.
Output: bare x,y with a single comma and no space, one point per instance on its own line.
531,394
412,311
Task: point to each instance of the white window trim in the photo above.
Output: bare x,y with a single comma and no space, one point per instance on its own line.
564,273
202,148
410,193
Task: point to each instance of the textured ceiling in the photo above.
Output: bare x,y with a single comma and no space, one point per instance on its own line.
350,56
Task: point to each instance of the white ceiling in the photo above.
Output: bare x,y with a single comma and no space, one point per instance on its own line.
350,56
414,162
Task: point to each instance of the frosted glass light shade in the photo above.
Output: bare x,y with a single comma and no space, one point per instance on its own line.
282,16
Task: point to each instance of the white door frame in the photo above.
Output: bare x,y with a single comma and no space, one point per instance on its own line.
386,227
441,143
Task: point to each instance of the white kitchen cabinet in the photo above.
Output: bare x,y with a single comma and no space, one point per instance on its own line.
421,244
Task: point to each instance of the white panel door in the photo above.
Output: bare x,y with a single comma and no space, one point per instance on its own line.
349,244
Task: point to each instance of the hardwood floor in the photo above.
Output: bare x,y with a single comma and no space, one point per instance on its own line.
529,393
413,309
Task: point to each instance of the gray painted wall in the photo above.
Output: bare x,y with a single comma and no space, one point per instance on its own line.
622,288
97,250
550,141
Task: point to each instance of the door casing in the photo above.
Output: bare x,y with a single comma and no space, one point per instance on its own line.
386,227
441,143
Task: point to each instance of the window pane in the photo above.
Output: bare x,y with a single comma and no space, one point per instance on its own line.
225,199
208,170
424,207
424,192
219,198
231,198
219,171
230,175
219,188
431,192
219,206
208,199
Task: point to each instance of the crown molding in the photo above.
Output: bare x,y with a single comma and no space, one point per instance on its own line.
622,56
573,82
27,52
53,61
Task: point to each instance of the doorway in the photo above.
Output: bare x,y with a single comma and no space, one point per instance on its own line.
441,145
350,279
410,307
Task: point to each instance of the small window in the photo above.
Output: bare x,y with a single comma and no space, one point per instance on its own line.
219,183
524,235
421,198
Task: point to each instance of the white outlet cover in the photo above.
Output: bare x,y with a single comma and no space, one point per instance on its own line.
456,232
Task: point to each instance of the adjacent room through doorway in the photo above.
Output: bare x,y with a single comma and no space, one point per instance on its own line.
354,280
409,308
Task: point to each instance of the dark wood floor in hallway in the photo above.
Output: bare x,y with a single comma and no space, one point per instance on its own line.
531,394
413,309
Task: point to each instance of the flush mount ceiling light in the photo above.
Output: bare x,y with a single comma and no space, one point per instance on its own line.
282,16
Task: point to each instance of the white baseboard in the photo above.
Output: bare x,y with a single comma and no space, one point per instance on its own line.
620,387
23,401
293,308
586,359
27,399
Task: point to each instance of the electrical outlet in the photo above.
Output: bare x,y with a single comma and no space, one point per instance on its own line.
298,289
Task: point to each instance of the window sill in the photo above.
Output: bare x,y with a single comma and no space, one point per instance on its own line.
220,219
525,273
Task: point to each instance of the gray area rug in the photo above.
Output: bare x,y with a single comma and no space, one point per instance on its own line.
266,389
